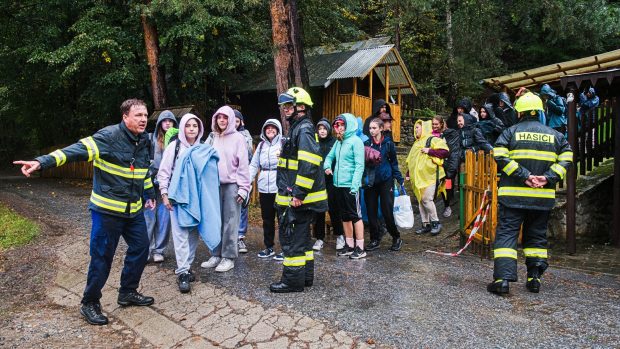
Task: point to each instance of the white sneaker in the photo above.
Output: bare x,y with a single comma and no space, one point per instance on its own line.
340,242
211,263
447,212
158,258
225,265
318,245
242,247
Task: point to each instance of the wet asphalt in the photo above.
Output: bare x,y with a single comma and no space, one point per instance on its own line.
405,299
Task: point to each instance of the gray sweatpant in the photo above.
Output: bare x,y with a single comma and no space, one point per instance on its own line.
185,242
428,211
231,212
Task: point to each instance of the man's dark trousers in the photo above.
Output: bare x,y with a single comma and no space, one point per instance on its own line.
105,233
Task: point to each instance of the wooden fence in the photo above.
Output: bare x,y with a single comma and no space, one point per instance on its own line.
595,137
479,175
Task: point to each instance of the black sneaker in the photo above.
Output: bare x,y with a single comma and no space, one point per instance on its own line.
358,253
435,228
183,282
533,285
426,228
134,298
92,313
346,251
499,286
192,277
373,245
397,244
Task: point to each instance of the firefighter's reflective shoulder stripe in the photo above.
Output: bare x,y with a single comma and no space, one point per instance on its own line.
314,159
59,156
505,253
117,170
91,147
284,200
535,137
292,163
114,205
527,192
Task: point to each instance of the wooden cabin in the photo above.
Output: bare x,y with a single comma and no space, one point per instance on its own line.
344,79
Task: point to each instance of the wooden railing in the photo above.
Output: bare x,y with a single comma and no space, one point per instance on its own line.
595,138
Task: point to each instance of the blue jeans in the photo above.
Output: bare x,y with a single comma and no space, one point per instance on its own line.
105,233
158,227
243,222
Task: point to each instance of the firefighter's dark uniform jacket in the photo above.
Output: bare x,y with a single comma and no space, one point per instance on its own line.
530,148
121,162
527,148
299,168
299,176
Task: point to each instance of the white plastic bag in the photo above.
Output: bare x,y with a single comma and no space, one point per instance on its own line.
403,211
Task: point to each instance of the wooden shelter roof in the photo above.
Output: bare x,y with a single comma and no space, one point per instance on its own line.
554,72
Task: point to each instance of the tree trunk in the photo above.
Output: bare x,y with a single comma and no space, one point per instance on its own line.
288,58
397,26
450,51
151,44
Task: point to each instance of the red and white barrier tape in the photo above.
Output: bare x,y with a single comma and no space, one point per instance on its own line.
480,219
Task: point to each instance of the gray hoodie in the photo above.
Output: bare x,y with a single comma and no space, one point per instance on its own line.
265,159
158,151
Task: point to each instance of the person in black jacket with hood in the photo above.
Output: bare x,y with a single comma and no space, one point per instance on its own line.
490,126
379,106
503,109
462,109
471,138
326,142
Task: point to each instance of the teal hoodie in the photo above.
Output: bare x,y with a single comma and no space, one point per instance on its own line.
349,157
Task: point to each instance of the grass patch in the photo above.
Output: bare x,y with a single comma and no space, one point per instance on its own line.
15,230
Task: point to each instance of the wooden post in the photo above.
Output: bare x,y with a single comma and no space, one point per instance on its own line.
354,86
387,83
615,238
400,101
370,87
571,180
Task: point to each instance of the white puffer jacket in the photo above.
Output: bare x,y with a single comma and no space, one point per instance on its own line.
265,159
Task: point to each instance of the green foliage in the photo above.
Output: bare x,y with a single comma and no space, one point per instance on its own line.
15,230
66,65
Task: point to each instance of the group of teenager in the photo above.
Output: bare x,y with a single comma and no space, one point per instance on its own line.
200,190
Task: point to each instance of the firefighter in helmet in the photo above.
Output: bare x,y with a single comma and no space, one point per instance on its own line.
533,158
301,191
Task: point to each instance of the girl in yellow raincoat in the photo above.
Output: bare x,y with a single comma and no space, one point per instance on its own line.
425,162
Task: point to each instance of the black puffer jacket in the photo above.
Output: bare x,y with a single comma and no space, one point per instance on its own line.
491,127
466,105
451,163
472,139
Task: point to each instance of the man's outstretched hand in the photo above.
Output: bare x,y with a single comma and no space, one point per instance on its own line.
28,166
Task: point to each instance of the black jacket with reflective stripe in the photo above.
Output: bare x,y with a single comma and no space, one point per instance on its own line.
530,148
121,162
300,173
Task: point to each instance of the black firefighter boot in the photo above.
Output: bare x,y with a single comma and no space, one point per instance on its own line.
309,281
535,269
499,286
292,280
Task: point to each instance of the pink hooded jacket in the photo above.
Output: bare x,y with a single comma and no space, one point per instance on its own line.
232,150
166,165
